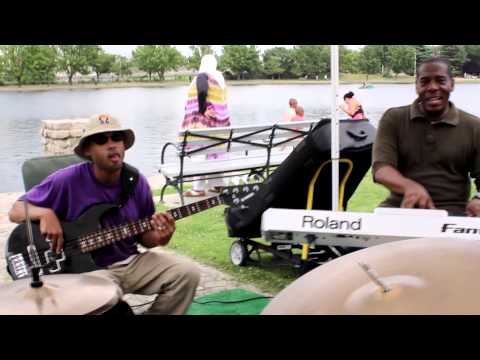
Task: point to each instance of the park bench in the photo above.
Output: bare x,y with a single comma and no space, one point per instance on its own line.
248,150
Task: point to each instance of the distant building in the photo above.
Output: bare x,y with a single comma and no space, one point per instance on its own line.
182,72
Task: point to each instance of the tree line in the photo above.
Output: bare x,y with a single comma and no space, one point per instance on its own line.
39,64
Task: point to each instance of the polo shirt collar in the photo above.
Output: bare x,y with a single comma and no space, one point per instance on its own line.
451,117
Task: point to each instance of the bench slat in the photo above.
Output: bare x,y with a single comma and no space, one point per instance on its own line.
193,168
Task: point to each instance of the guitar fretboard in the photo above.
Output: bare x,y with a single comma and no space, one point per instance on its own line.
187,210
108,236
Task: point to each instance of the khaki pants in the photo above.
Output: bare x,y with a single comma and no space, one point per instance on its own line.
150,273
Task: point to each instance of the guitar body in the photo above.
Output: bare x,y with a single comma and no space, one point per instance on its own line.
71,260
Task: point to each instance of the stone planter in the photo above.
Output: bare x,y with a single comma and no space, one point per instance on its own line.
59,137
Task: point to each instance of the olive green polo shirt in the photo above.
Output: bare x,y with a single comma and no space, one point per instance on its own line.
439,155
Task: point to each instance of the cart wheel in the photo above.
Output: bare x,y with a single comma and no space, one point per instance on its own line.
238,253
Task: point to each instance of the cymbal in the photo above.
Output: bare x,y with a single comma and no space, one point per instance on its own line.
65,294
415,276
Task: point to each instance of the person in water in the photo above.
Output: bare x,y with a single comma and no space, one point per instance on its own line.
299,114
352,107
290,113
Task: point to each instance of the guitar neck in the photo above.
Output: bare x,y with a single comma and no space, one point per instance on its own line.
194,208
108,236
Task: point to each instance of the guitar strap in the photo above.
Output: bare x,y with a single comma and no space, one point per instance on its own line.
129,178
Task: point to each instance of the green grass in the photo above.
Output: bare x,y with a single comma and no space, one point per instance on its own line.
170,190
367,196
204,238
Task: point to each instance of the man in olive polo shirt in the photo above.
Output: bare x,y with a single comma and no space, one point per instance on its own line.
425,152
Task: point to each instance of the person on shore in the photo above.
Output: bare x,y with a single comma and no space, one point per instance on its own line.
290,113
207,108
424,153
105,178
352,106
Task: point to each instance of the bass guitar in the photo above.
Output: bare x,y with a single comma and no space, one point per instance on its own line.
85,235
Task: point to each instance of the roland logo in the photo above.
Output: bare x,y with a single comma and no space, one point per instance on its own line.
330,224
453,228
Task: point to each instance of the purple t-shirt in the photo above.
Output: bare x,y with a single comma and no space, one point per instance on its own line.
69,192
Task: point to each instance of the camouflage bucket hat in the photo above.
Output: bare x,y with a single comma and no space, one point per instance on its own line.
103,123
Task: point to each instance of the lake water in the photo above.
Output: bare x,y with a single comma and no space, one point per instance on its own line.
156,113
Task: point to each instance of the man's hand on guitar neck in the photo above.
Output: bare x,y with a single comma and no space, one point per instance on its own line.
49,224
163,229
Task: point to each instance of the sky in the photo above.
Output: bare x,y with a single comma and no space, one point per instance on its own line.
126,50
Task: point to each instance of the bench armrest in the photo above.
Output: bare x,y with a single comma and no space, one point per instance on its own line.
165,148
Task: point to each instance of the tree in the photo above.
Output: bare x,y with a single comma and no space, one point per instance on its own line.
369,62
198,51
144,59
472,51
169,58
382,53
103,63
76,58
121,66
41,64
423,52
401,59
472,65
348,60
272,64
28,63
456,55
312,60
157,59
240,60
15,61
279,62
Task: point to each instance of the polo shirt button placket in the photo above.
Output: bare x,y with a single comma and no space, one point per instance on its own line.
430,139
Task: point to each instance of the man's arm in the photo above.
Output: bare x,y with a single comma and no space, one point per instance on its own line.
49,224
385,161
413,192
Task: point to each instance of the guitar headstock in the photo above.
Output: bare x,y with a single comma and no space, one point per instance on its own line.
235,195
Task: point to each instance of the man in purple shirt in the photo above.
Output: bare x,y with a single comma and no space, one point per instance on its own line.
69,192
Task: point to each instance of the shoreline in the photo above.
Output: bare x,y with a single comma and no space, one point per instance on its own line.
162,84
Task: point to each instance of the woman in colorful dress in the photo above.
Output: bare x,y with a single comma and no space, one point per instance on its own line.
207,108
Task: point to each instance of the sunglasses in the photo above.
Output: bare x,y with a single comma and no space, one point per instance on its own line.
101,139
